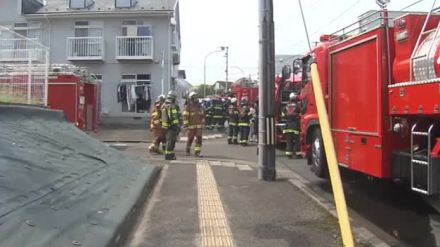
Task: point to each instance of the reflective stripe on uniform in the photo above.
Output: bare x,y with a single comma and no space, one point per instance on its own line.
197,148
289,153
243,124
169,152
195,126
290,131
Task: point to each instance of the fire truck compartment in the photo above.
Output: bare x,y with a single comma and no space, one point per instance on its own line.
415,98
356,93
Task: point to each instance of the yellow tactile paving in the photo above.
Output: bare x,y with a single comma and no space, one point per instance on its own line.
214,226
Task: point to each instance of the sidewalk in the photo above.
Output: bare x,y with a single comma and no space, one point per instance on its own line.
216,199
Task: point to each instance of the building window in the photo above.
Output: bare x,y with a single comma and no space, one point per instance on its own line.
135,28
88,39
88,28
134,93
31,30
125,3
81,4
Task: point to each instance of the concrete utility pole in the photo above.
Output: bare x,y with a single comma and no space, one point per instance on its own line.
227,63
266,92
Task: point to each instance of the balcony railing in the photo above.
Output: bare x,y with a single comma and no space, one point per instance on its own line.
85,48
134,47
20,50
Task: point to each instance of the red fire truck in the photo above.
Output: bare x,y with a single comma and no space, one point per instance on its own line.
381,80
245,88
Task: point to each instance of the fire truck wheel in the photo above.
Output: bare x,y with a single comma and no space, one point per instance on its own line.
319,162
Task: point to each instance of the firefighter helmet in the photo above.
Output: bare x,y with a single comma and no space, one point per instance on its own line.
171,95
192,95
160,98
293,96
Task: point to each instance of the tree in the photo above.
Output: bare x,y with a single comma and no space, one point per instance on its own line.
209,90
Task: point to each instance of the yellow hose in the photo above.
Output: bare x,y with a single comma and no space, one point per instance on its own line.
335,177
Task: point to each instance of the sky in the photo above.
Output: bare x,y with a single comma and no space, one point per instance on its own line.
207,24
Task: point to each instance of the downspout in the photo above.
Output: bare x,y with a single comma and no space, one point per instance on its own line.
49,36
169,54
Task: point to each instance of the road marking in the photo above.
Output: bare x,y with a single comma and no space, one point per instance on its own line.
214,227
182,161
215,163
244,168
228,164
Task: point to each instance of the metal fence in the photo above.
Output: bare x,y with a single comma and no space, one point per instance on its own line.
24,65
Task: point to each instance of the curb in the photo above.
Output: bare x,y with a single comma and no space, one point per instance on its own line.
125,228
361,234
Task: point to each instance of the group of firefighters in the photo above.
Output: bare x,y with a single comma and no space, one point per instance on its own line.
167,121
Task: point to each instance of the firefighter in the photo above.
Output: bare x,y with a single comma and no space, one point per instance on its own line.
193,121
291,132
208,114
233,115
218,113
244,122
156,126
171,122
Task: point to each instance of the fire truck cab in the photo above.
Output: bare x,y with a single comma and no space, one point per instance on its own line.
381,81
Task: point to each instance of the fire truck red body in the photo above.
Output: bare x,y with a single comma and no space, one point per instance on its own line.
244,89
77,94
382,90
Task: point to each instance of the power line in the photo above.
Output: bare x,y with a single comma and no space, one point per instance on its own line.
330,22
409,6
338,16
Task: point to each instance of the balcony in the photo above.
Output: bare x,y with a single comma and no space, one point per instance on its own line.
134,47
85,48
20,50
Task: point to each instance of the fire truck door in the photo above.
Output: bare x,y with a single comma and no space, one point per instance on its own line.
343,145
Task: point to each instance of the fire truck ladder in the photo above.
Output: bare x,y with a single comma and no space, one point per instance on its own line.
424,55
421,161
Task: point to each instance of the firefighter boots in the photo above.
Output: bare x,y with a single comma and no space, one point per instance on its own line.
170,157
154,149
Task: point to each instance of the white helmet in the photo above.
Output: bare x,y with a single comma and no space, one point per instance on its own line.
192,95
234,100
293,96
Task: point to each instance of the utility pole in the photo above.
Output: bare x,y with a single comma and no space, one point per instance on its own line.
266,92
227,63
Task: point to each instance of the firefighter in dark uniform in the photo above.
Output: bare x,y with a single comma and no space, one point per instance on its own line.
208,114
218,113
233,116
171,122
156,126
244,122
291,132
193,121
